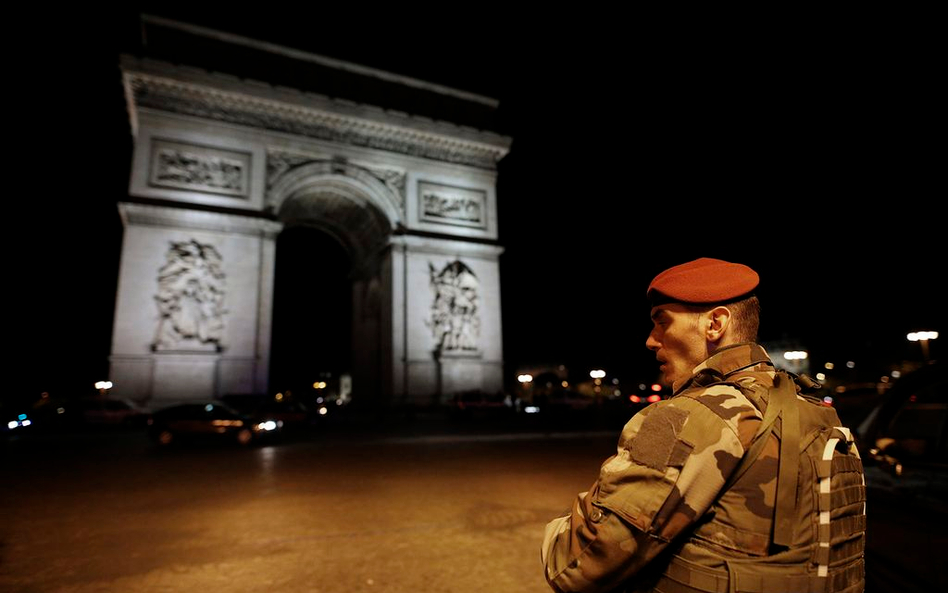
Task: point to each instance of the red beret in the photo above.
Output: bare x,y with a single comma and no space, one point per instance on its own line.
703,281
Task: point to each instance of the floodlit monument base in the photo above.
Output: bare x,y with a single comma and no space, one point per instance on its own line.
222,166
167,342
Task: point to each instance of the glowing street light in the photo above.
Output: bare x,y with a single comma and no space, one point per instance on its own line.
526,384
923,337
597,376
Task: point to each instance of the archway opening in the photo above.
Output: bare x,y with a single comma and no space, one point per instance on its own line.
312,312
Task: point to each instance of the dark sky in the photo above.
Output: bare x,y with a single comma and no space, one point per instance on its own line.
811,158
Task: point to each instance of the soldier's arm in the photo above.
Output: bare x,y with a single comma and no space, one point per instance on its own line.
672,460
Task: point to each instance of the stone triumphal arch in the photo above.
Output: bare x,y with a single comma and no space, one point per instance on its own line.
222,165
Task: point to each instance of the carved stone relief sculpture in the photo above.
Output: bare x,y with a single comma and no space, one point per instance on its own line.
452,205
199,168
190,298
455,319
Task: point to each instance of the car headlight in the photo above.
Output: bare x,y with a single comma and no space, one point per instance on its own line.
21,421
266,425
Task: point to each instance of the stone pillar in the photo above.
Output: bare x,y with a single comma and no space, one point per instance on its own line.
446,313
192,315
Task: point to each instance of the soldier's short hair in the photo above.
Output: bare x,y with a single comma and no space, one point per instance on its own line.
746,313
745,317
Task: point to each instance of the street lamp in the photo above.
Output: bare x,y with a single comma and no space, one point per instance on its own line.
923,337
597,376
526,382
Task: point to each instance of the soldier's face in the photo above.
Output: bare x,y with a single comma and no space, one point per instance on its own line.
677,341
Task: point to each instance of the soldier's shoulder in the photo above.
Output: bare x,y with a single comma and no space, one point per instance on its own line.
730,402
720,391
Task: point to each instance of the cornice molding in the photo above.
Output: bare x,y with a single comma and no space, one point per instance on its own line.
197,93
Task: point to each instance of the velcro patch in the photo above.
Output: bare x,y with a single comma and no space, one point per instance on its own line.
657,438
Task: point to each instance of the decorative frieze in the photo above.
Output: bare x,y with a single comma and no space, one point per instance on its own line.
246,109
199,168
458,206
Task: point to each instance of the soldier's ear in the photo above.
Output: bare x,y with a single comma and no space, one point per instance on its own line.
717,322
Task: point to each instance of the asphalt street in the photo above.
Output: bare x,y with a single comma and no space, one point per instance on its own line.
422,505
398,512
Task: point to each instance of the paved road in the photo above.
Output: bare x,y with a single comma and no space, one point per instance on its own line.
424,507
394,513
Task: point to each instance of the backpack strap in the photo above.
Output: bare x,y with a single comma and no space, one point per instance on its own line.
782,404
757,446
785,395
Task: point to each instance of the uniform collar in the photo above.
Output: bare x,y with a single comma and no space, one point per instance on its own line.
726,361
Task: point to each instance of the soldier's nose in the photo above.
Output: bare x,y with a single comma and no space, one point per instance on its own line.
652,344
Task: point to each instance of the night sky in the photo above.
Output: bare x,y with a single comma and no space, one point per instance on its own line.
813,161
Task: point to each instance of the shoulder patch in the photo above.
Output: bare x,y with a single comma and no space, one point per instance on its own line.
654,444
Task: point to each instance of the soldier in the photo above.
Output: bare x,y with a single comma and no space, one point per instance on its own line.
741,482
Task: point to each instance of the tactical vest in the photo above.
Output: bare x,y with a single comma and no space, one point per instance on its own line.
817,539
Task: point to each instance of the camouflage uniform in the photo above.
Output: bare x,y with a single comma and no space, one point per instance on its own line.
676,510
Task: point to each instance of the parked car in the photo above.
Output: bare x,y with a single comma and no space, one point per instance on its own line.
210,420
290,413
293,413
903,443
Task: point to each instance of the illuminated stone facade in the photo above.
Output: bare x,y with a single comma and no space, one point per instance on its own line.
221,165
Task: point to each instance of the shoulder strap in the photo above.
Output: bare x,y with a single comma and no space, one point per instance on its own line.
781,404
757,444
789,464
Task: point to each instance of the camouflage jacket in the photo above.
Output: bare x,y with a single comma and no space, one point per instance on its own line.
672,461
